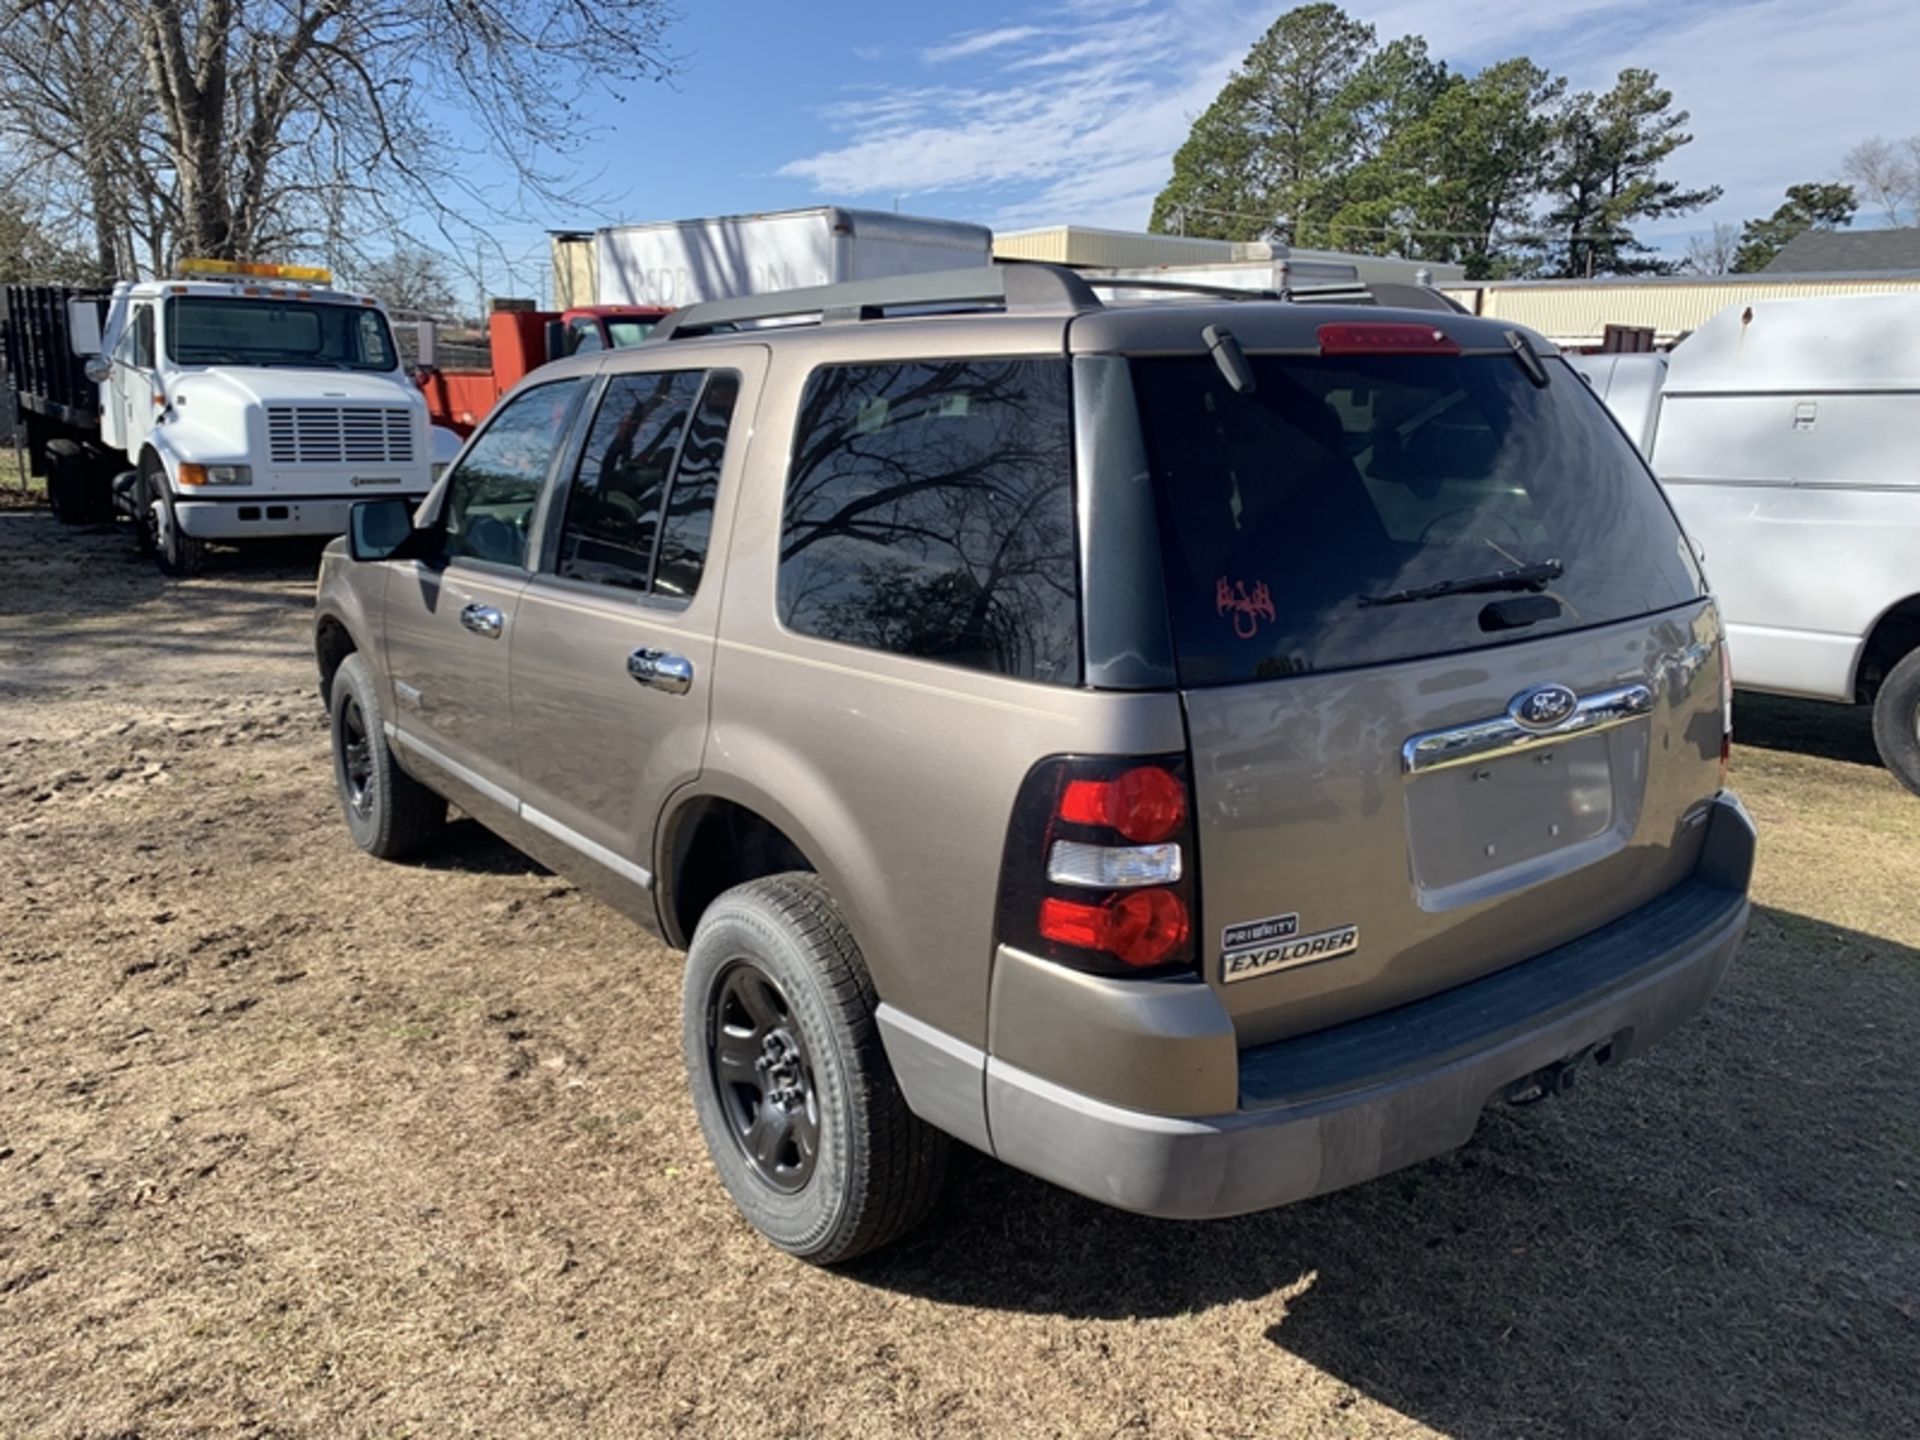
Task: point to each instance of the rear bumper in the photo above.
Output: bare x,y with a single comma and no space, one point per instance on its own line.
1344,1105
265,516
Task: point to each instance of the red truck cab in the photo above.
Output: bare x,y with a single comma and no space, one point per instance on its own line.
519,341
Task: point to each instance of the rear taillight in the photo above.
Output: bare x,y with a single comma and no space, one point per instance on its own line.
1099,865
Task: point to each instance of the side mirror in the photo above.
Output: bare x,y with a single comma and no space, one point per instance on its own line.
376,529
98,369
83,327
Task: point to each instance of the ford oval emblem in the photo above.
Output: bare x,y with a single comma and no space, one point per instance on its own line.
1545,707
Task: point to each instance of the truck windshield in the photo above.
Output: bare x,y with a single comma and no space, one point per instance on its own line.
1356,510
213,330
628,333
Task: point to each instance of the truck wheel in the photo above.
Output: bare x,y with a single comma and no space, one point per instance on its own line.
389,813
66,483
1896,721
177,553
794,1094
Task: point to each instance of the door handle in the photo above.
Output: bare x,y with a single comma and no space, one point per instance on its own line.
483,620
661,670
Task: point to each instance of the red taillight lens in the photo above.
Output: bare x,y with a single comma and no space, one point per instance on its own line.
1145,804
1139,928
1385,338
1101,865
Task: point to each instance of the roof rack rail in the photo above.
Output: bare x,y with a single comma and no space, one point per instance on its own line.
1182,287
1016,286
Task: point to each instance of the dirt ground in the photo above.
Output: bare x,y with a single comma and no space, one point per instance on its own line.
294,1143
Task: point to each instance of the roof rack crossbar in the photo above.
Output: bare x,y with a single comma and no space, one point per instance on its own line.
1012,287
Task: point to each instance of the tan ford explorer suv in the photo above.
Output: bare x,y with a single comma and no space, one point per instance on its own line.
1200,752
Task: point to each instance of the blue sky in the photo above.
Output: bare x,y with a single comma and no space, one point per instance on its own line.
1071,111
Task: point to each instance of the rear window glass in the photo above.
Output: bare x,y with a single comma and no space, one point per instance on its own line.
930,513
1295,518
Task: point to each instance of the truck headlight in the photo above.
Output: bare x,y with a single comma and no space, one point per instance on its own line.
216,475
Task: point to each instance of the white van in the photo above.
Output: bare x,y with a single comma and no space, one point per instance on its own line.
1787,435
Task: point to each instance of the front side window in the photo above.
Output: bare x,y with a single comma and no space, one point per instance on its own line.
929,512
614,503
496,483
136,345
1356,510
215,330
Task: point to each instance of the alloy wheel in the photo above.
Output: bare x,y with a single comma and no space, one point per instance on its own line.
763,1074
356,757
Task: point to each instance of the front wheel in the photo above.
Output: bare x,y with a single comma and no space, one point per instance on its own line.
388,812
795,1097
177,553
1896,721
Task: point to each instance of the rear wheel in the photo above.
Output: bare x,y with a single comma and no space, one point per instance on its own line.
1896,721
800,1110
388,812
67,483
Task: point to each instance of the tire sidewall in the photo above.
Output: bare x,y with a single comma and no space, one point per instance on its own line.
808,1221
1896,730
61,498
177,553
351,682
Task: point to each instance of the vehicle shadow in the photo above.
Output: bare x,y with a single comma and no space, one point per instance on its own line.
1805,727
1719,1238
469,847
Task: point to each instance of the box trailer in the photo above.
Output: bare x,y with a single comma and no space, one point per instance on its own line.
681,262
1783,432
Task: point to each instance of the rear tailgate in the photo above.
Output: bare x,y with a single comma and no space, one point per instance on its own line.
1334,881
1452,683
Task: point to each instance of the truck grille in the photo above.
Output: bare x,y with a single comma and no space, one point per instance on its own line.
339,435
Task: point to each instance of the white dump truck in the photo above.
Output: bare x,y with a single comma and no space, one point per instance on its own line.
235,402
1784,433
683,262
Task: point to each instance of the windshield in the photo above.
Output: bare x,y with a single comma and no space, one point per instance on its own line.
1361,509
628,333
214,330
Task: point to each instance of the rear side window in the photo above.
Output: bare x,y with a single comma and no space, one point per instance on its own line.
613,505
1296,519
688,522
929,512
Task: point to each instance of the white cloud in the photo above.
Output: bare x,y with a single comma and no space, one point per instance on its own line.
978,43
1076,117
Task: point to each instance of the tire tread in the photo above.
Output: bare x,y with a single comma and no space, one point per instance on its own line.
898,1167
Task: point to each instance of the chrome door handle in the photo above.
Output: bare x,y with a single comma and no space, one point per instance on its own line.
661,670
483,620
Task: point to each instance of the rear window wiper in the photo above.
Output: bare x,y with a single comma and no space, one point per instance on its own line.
1521,577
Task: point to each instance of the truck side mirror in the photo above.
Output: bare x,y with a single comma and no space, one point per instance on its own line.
83,328
376,529
98,369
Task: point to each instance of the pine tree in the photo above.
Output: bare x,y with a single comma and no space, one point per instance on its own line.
1605,176
1807,207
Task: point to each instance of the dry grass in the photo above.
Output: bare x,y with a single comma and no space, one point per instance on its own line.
295,1143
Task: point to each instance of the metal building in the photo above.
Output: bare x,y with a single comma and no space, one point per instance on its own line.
1575,313
1136,252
